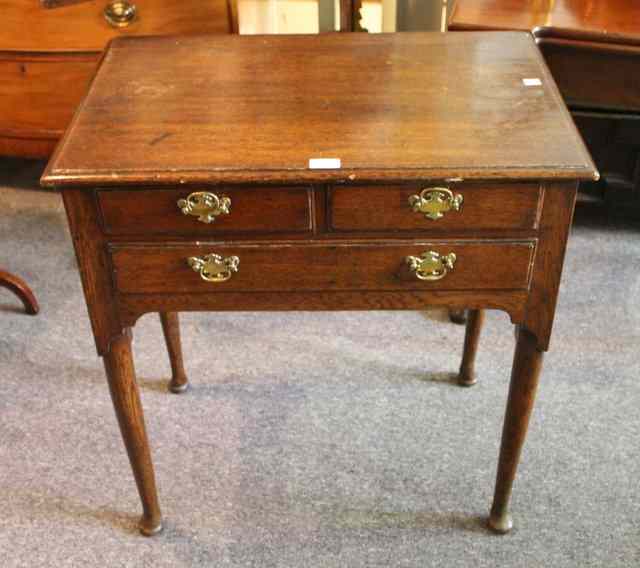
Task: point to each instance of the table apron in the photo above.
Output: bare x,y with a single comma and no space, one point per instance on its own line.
132,306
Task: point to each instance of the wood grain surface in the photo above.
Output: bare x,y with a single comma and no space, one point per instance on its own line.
28,26
338,266
485,206
49,56
252,210
403,106
595,76
611,20
592,48
39,94
132,306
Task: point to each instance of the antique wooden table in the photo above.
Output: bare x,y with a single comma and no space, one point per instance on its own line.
334,172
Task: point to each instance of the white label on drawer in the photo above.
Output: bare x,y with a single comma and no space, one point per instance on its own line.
324,164
532,82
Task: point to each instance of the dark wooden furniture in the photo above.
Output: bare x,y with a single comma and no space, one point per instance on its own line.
593,51
49,51
455,187
20,289
171,330
350,16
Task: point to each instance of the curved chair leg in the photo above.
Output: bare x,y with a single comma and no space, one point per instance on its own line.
458,316
20,289
467,376
171,328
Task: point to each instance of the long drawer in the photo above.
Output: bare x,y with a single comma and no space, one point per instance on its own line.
81,25
472,265
40,92
434,207
184,211
595,76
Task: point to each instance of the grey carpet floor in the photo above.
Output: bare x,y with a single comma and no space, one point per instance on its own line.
316,439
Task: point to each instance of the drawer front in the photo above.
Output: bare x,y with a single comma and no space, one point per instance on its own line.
605,78
28,26
146,211
313,266
417,208
40,92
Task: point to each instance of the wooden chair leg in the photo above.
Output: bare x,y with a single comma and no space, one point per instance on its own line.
467,376
458,316
20,289
171,328
121,375
522,391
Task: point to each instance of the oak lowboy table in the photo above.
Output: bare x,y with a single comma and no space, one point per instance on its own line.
447,176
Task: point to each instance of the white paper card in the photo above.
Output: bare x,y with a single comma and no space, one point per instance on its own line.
532,82
324,164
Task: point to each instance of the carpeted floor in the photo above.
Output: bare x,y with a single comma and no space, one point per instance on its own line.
316,439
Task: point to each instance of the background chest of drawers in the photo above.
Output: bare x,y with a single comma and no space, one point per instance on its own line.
49,52
593,51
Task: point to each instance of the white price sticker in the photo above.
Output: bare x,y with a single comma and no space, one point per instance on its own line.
324,164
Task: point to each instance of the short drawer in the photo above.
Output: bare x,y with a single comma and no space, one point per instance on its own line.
230,210
434,207
283,267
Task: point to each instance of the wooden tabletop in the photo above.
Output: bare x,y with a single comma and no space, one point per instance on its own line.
258,108
603,20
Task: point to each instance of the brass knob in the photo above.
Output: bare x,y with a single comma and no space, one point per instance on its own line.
205,206
434,202
120,13
431,265
213,267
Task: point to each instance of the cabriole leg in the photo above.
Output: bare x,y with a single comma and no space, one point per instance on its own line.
458,316
524,382
171,328
467,376
126,401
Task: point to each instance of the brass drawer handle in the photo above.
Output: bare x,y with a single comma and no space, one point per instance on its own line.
431,265
205,206
213,267
120,13
434,202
